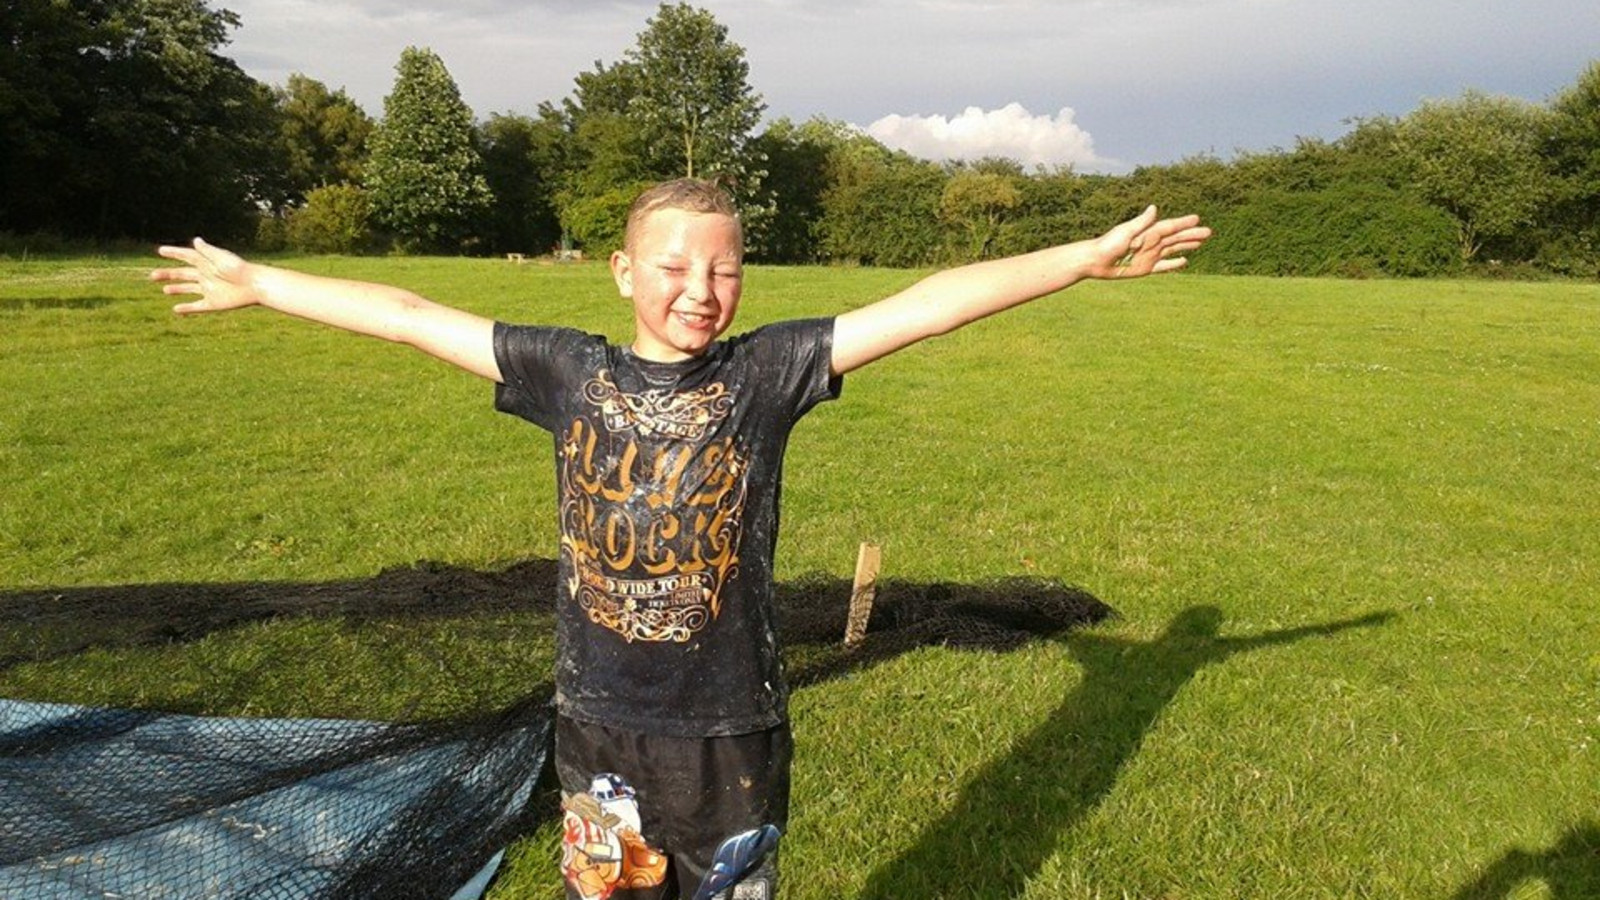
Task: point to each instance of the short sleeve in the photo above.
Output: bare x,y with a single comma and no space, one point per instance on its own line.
802,350
537,365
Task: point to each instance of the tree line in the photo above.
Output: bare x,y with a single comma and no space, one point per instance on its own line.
125,120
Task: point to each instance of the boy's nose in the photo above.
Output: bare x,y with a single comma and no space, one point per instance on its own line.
698,286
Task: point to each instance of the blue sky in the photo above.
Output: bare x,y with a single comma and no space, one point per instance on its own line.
1100,84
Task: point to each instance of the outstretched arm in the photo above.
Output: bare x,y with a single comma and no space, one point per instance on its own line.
947,300
223,281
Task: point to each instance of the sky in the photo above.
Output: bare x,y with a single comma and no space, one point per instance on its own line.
1100,85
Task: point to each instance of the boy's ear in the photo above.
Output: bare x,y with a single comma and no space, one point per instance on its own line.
622,273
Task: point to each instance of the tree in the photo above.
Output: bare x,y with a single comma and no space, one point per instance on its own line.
599,161
1050,212
693,101
1201,183
606,90
881,206
324,136
46,90
676,105
1573,151
1479,158
978,199
607,147
333,219
522,160
598,221
797,177
109,105
598,151
425,174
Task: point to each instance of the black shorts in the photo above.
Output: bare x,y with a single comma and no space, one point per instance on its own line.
690,794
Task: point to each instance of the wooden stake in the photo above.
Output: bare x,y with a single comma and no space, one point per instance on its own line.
861,594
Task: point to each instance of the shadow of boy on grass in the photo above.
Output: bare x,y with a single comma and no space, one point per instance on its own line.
1569,868
1011,813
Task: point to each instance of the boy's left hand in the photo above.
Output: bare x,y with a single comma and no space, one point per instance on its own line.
1144,245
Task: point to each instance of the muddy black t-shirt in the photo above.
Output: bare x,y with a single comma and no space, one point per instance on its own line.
667,478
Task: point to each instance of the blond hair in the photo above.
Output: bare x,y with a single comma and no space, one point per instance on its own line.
689,194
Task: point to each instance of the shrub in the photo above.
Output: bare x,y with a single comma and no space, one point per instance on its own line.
334,220
1052,212
1575,255
597,223
37,243
1350,230
272,234
884,212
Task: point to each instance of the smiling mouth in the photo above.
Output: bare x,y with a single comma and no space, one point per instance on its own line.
698,321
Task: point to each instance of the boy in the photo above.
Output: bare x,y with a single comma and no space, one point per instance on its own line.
672,737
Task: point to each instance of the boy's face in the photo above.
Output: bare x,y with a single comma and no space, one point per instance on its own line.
683,272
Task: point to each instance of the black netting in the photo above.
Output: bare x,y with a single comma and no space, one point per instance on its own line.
116,803
151,803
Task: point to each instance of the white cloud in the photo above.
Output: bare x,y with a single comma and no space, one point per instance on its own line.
1010,131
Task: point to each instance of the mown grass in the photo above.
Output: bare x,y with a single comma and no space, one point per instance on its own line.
1348,527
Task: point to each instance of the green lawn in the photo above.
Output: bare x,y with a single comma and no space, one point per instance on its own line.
1348,527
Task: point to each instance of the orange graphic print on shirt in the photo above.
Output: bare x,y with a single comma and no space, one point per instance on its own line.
650,509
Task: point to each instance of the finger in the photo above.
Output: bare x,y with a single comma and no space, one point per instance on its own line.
181,254
213,256
1139,225
185,288
175,275
1196,235
1181,247
1170,265
1184,241
1178,223
1189,234
196,306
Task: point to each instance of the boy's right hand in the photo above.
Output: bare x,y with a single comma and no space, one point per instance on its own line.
221,278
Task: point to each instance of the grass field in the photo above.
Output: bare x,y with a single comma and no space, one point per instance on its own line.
1349,529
